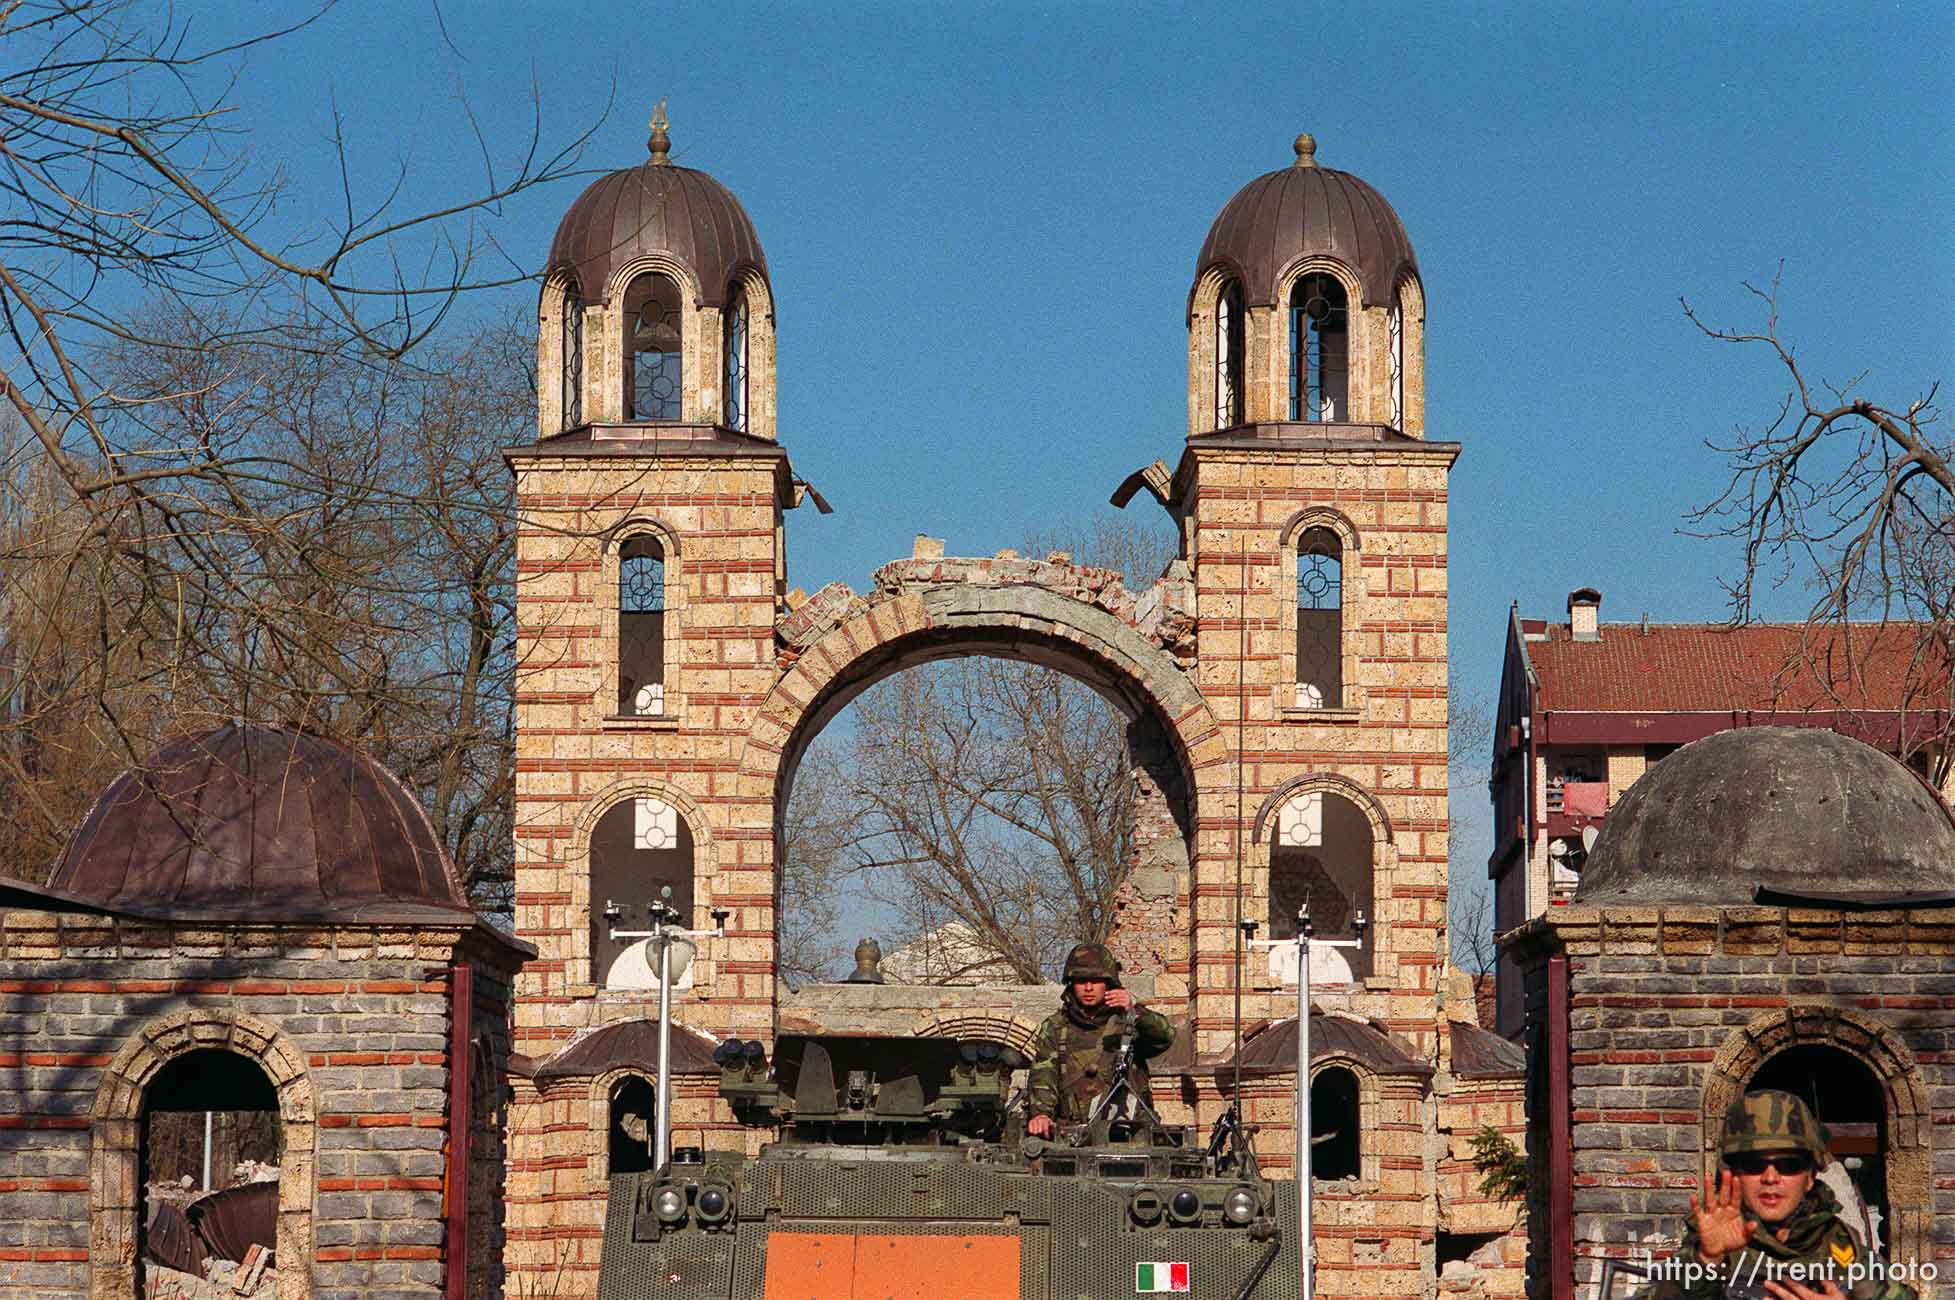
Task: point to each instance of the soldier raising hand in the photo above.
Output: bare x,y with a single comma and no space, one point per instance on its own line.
1074,1051
1771,1228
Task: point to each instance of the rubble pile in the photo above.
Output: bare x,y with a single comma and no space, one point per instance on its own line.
213,1245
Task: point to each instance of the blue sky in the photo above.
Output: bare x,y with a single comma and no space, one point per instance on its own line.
981,223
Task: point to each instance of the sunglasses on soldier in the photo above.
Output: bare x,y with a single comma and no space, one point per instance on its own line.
1752,1163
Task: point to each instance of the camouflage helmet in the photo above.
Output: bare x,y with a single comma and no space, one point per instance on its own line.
1770,1120
1091,961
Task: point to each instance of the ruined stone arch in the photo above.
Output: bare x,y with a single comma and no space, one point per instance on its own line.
1910,1114
603,801
1029,623
1008,1030
115,1136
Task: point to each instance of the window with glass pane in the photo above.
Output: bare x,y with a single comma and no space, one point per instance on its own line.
1320,620
1398,368
1319,351
573,358
736,364
641,628
1228,356
652,348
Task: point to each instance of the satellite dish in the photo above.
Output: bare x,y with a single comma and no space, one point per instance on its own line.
1590,834
1557,851
637,966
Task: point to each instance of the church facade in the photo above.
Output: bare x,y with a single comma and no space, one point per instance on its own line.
1285,679
451,1100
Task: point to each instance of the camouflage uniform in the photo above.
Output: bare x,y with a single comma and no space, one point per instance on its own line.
1075,1049
1814,1237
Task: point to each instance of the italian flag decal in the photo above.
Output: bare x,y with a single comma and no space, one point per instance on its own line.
1160,1277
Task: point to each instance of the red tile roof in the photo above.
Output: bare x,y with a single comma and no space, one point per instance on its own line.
1694,667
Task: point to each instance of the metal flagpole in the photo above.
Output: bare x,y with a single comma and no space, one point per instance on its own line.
1306,1245
665,928
662,1139
1306,1249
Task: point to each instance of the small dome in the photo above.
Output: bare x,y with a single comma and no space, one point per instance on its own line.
260,823
1301,210
1799,809
656,207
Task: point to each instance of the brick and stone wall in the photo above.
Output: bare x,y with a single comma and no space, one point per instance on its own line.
1673,1010
351,1027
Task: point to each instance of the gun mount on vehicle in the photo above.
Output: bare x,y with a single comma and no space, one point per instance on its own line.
902,1169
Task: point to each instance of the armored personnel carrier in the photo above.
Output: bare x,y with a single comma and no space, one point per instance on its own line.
901,1171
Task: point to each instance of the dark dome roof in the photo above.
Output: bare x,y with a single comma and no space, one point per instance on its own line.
261,823
628,1045
1304,209
1797,809
657,208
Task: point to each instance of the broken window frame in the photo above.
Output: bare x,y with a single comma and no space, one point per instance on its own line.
615,878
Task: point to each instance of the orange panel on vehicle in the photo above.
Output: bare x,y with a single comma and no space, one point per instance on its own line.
810,1265
933,1268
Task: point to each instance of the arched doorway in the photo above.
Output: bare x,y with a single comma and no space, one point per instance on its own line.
1847,1099
208,1118
1831,1052
145,1080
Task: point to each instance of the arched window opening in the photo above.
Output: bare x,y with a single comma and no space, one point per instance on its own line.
632,1117
639,849
1321,855
1320,620
573,357
1228,356
1334,1149
641,628
210,1122
1851,1107
652,348
736,363
1320,350
1398,366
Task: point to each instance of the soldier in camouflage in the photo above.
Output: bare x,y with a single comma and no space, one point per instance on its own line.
1771,1228
1075,1050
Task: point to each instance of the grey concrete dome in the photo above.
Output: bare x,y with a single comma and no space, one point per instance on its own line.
1798,809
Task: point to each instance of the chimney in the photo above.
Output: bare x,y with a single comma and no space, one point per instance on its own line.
1584,608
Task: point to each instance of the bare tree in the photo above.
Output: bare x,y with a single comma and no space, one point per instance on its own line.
347,570
1469,893
1857,499
985,805
229,492
991,793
